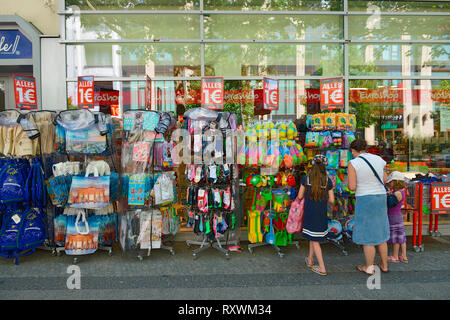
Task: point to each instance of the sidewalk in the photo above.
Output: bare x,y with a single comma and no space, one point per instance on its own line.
263,275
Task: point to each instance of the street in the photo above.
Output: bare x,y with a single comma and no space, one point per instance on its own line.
261,276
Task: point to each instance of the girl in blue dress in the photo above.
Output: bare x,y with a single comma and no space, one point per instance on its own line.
317,189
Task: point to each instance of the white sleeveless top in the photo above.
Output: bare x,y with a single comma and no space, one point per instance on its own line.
366,182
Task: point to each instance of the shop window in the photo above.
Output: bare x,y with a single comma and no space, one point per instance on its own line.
129,26
133,4
406,121
399,6
382,27
262,5
274,59
399,59
277,27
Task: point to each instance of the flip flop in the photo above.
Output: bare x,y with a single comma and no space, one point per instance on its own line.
392,259
360,268
379,266
404,260
307,264
315,269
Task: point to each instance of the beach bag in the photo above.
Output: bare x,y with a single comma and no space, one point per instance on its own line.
21,233
81,234
82,132
90,192
295,219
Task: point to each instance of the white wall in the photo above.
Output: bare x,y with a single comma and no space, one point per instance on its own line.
53,74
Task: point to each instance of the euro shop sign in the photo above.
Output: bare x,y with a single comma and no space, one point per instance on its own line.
332,93
440,198
25,92
212,93
270,94
86,92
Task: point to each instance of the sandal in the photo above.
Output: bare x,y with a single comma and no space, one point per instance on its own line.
392,259
404,260
315,269
308,264
364,269
379,266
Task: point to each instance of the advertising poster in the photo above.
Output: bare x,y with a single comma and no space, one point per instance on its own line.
85,92
271,94
212,93
25,92
332,94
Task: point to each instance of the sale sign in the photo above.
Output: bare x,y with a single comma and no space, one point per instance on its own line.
331,93
86,92
440,198
270,94
212,93
25,92
148,93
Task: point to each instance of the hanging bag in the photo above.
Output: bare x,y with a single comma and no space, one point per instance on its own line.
82,132
81,234
90,192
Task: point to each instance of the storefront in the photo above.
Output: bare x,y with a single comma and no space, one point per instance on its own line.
19,54
392,58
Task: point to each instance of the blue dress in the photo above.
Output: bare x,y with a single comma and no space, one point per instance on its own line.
315,220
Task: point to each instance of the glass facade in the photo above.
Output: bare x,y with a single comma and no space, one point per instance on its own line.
393,56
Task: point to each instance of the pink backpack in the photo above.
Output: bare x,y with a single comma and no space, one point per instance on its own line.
295,219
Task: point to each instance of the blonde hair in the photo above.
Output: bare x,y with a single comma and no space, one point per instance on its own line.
398,185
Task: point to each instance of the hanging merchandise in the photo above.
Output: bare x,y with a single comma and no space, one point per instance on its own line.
83,132
21,233
211,195
147,182
84,189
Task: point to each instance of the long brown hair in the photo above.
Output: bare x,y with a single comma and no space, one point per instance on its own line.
319,182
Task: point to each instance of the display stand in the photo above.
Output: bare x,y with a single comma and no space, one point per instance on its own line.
141,223
212,192
207,242
85,158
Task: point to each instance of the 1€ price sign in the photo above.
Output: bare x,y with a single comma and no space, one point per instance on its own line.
212,93
85,92
332,93
25,92
270,94
440,198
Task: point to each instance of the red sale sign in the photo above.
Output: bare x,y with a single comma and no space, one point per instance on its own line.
212,93
270,95
332,93
86,92
25,92
440,198
148,93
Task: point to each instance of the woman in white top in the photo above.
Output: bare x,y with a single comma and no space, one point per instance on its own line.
371,227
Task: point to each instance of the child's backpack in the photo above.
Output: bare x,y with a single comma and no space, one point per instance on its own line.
13,176
295,219
83,132
21,233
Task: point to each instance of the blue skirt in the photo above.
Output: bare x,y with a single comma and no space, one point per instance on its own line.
371,225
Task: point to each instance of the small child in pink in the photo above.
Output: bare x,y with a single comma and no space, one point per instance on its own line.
397,229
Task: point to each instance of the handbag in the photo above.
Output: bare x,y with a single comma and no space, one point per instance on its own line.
392,200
